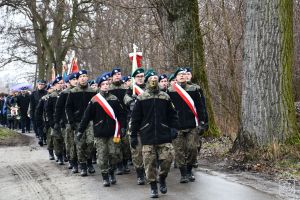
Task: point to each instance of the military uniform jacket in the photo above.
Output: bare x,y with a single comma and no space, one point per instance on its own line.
77,102
186,116
40,112
119,91
34,100
153,116
60,116
129,99
50,107
103,125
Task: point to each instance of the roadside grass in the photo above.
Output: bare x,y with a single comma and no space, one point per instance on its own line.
6,133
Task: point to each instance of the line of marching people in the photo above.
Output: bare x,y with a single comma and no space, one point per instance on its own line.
109,121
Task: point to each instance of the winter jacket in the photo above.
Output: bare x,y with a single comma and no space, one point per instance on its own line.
152,117
103,125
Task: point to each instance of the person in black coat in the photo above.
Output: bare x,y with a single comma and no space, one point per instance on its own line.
23,101
34,100
104,128
154,117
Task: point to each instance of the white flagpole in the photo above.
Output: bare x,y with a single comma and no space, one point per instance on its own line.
134,65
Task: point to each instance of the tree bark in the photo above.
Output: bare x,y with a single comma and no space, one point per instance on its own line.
267,113
179,24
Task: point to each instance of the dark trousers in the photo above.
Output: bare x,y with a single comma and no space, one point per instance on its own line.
25,124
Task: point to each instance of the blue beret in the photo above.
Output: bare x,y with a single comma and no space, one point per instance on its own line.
115,70
138,71
83,71
49,85
57,79
162,77
127,78
149,73
72,76
181,69
103,77
41,81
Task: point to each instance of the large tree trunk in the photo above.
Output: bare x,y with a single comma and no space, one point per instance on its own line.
179,24
268,114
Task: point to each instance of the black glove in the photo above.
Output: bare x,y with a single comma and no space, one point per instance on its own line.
78,136
123,132
174,133
133,142
73,126
200,128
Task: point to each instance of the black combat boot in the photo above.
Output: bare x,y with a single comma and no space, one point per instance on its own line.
70,166
83,169
60,160
40,142
183,172
75,166
140,176
162,184
190,174
120,169
51,154
112,177
126,168
90,166
66,159
153,191
106,182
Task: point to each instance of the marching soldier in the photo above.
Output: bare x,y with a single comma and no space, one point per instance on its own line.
163,82
117,89
153,117
106,112
34,100
129,101
61,125
188,104
205,122
76,104
172,79
43,122
50,110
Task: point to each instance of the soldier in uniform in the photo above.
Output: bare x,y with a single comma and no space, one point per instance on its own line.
104,127
117,89
76,104
204,124
50,110
163,82
42,121
172,80
129,101
127,81
153,117
61,125
188,126
34,100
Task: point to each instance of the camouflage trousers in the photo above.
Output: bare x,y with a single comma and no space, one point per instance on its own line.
107,153
58,141
86,145
69,136
163,153
125,153
185,147
50,145
136,155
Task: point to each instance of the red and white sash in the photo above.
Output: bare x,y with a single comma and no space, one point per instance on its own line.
137,90
110,112
187,99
